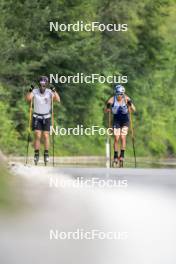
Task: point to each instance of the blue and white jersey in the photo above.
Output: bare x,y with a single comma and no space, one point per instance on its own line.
42,102
119,108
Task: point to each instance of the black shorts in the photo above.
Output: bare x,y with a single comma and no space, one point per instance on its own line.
120,124
121,121
41,124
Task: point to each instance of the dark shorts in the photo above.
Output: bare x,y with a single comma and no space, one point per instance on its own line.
120,122
41,124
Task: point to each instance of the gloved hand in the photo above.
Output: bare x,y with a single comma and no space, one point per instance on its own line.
129,103
108,108
53,89
31,89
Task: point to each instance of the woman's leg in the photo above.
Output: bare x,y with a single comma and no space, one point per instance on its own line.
124,132
116,142
123,142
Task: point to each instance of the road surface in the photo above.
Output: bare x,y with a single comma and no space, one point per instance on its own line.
136,205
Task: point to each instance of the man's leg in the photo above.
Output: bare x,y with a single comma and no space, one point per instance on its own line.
46,145
37,139
46,140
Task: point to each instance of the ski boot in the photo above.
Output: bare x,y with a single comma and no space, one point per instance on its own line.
121,159
46,157
115,163
36,157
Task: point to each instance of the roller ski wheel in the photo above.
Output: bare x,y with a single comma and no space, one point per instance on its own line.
36,159
121,162
46,158
115,163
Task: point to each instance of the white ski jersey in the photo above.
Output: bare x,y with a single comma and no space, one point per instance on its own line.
42,102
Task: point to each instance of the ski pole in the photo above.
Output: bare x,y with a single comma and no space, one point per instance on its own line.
29,131
108,144
53,127
109,123
132,137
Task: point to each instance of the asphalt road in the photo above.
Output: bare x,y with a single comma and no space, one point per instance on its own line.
136,205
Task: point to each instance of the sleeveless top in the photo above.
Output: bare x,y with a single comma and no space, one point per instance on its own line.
42,102
119,108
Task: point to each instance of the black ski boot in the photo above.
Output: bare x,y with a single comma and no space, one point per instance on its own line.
115,163
46,157
36,157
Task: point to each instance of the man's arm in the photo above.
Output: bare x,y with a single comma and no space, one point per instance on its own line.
56,96
30,95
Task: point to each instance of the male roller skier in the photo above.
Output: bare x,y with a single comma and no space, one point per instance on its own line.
120,105
42,97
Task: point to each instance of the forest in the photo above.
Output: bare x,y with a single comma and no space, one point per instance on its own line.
145,53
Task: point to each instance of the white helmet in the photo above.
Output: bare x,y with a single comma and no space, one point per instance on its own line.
119,89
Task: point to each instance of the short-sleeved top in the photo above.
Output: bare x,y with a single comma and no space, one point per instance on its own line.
42,102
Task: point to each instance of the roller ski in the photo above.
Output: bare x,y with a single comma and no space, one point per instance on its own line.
121,160
46,157
36,157
115,163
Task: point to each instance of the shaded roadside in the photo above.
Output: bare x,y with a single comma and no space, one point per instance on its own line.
10,191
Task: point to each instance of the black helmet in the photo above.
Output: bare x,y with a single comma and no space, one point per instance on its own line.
43,80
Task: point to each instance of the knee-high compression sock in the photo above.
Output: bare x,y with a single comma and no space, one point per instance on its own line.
46,151
122,153
36,152
115,154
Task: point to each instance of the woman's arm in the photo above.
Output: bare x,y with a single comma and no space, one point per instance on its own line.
130,104
109,103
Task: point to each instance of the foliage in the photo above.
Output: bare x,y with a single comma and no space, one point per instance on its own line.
145,53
